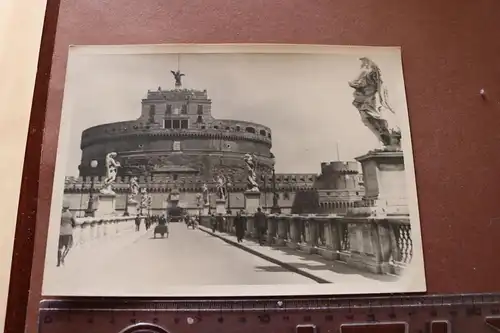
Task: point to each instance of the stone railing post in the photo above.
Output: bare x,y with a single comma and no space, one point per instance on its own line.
250,230
272,228
365,246
114,228
93,228
295,233
86,232
99,225
77,234
395,244
282,230
310,234
104,227
382,241
229,227
332,238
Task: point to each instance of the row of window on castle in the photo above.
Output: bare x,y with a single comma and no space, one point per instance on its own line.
184,109
176,123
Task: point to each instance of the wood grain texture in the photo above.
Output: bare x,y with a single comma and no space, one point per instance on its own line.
450,52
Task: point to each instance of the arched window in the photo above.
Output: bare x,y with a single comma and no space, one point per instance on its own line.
262,132
250,130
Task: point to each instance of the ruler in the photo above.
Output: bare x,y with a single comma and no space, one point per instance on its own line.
467,313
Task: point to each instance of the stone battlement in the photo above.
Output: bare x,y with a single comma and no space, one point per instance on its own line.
192,183
330,168
122,130
176,94
238,126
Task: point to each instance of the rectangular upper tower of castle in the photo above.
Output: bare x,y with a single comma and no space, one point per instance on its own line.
177,108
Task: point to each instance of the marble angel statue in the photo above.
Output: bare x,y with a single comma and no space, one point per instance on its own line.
144,197
221,187
205,194
111,171
252,185
371,100
134,189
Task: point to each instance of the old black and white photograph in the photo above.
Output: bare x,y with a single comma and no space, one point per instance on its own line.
234,170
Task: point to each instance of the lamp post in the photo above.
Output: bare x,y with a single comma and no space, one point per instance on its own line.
81,200
90,207
126,213
149,202
228,190
276,208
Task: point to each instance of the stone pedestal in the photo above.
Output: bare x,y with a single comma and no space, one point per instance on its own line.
385,182
220,206
332,239
294,241
132,208
250,227
252,202
311,237
206,209
106,206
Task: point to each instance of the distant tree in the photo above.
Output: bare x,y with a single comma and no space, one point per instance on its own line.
305,202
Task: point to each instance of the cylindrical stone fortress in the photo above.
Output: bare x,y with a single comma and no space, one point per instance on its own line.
177,136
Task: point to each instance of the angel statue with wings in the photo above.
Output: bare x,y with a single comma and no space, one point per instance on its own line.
144,198
371,100
111,171
134,189
221,187
252,185
178,78
204,190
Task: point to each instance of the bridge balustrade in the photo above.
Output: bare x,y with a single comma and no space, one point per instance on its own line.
376,245
91,229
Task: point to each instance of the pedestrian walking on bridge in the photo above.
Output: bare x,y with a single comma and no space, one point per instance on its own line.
240,223
137,223
68,222
213,222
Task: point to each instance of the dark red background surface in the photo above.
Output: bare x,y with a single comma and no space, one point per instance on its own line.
450,51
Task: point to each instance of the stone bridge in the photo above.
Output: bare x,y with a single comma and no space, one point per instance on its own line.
109,256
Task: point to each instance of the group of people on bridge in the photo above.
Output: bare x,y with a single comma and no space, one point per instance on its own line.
240,224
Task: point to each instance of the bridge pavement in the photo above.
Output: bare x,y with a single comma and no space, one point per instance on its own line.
187,257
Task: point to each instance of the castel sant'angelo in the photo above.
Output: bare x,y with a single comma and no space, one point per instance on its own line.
178,146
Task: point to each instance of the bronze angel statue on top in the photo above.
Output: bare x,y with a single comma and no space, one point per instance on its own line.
178,78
